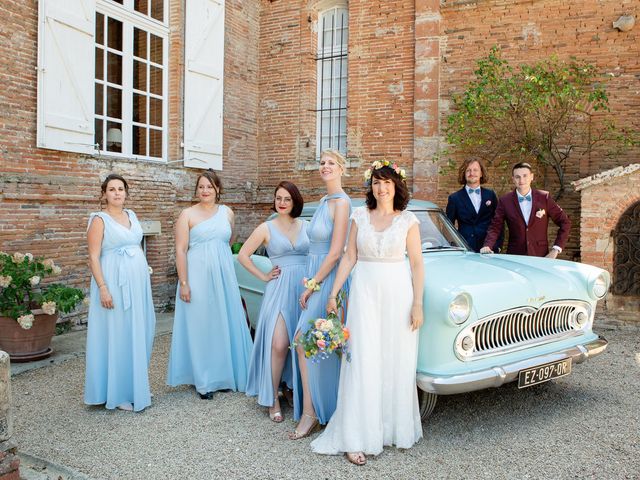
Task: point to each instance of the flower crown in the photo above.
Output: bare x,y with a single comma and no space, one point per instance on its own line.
378,164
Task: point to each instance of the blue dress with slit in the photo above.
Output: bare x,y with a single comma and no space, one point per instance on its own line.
323,375
280,300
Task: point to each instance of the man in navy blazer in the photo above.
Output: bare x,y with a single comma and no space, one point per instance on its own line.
527,212
472,207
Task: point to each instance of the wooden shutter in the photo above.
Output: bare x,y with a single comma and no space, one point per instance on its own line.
66,69
203,92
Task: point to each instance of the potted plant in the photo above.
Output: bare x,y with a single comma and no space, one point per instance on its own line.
28,309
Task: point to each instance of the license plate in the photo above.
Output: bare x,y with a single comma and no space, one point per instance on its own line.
543,373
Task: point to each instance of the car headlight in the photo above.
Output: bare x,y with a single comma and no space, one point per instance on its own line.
600,285
460,308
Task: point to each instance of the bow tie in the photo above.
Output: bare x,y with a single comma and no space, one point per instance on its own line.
474,190
522,199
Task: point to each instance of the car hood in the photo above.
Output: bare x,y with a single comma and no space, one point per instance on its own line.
500,282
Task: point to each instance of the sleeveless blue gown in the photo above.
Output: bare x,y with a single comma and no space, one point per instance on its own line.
280,299
210,345
120,340
324,375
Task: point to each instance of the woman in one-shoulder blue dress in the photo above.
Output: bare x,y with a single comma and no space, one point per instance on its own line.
287,245
316,383
121,323
211,345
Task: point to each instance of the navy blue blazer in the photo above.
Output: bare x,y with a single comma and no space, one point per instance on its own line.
471,225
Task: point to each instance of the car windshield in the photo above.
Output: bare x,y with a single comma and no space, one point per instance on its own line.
437,233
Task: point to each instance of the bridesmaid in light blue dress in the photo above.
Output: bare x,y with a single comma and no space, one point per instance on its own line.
122,320
211,345
287,246
316,383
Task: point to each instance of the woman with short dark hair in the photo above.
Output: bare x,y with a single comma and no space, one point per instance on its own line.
210,345
287,244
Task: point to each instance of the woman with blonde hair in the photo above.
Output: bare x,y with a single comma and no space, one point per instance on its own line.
316,384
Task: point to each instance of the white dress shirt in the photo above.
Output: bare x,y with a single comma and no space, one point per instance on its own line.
525,205
525,208
475,197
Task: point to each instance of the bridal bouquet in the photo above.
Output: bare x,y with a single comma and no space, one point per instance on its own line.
326,336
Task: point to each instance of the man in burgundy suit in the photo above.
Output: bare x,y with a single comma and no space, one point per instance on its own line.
527,212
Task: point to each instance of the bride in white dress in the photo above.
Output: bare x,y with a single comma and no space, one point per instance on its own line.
377,396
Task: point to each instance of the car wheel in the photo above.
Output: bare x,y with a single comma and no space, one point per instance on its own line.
427,402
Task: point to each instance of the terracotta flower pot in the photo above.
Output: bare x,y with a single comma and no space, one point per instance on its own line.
27,345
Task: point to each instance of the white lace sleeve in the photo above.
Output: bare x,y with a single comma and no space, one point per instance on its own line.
358,215
409,219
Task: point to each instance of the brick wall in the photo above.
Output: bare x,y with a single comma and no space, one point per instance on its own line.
379,92
602,205
528,31
405,60
47,195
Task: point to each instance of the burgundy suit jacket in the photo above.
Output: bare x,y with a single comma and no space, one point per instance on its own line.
529,238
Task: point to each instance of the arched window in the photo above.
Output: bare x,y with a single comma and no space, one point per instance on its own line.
626,268
333,36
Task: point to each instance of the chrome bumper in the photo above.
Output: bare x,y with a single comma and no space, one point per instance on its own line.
497,376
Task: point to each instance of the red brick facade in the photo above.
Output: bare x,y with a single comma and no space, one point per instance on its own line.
605,197
47,195
405,60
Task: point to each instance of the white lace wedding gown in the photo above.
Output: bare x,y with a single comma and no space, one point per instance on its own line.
377,397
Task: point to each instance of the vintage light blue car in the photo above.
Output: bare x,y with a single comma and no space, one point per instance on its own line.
489,319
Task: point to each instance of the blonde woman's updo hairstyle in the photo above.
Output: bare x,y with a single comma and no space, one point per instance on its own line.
215,181
338,157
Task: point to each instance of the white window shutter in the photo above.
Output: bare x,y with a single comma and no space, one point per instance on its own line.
66,72
203,95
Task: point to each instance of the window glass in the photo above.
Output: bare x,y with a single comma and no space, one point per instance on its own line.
157,10
129,80
140,43
437,233
331,57
114,34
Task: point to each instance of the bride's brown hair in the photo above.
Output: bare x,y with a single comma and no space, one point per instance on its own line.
401,197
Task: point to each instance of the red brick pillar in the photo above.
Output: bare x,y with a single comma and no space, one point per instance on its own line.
426,98
9,461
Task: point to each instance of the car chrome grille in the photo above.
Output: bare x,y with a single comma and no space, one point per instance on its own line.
523,327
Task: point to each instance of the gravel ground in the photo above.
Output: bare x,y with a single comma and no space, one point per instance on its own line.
585,425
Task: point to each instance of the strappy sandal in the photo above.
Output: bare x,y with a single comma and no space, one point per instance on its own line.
276,417
357,458
315,425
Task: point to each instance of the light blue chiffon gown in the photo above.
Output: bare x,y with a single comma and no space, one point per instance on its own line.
119,340
280,299
324,375
211,345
